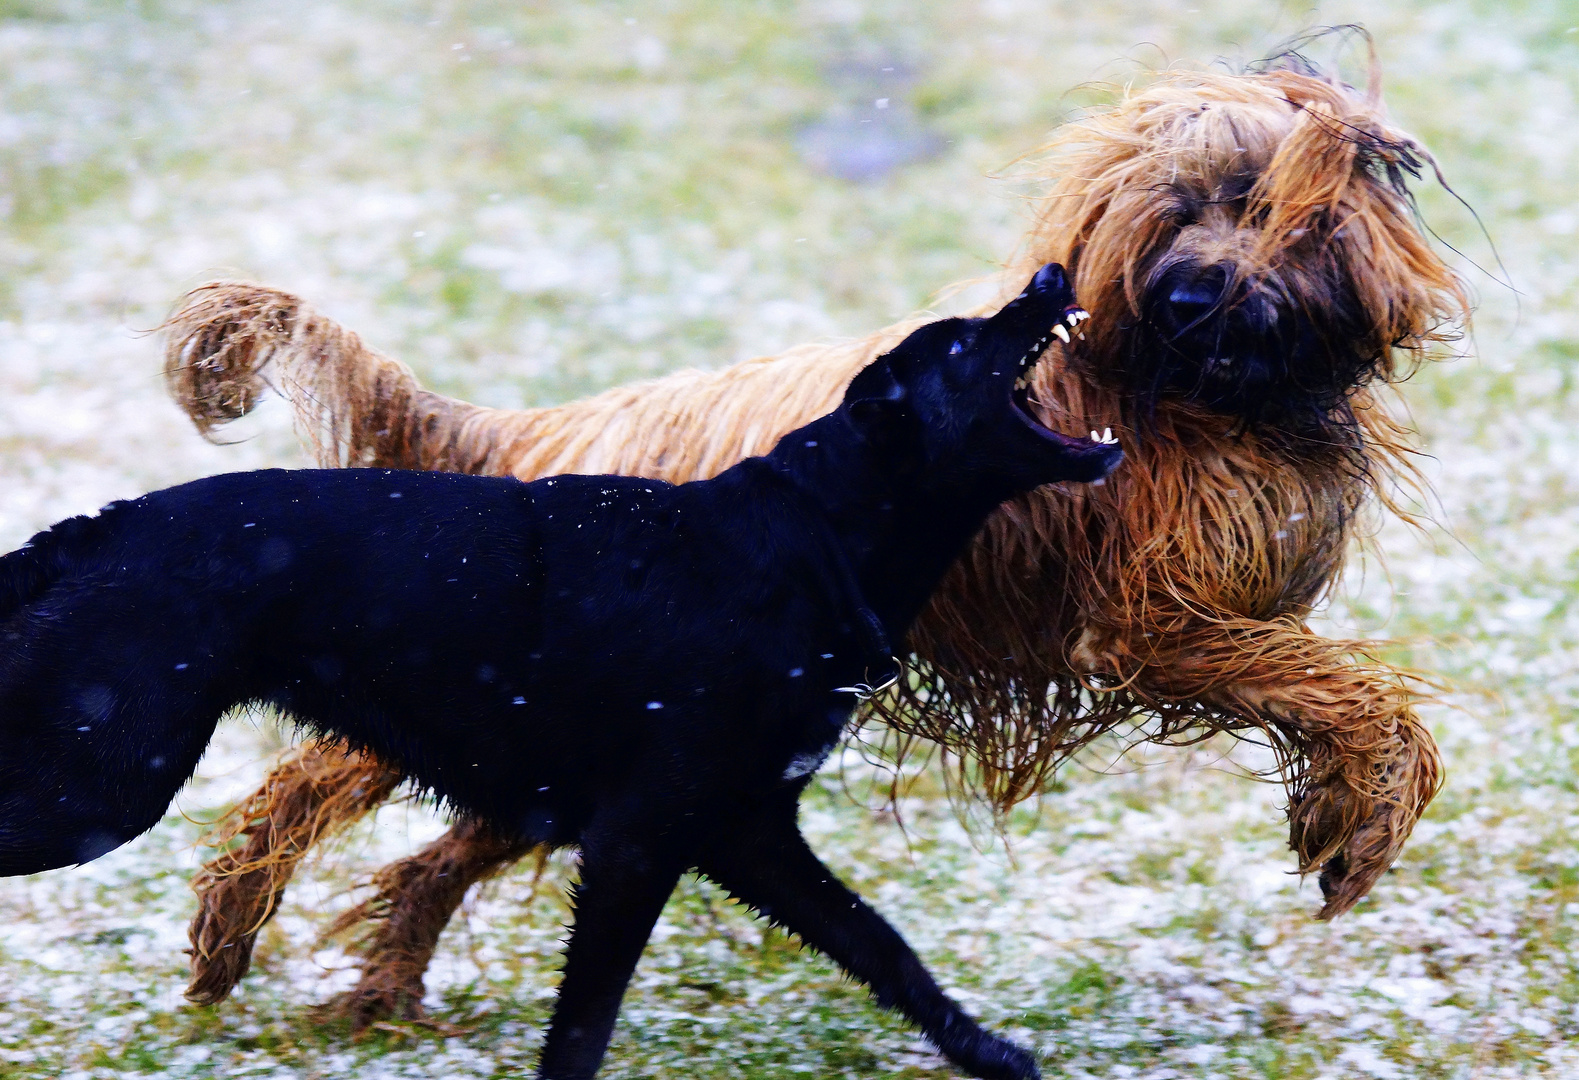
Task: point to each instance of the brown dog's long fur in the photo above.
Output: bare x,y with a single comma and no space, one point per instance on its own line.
1176,592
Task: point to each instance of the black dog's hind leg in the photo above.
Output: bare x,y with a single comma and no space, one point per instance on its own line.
626,876
765,862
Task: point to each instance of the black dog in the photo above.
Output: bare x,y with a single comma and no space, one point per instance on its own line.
466,627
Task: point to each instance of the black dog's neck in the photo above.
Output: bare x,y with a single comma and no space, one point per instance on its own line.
900,532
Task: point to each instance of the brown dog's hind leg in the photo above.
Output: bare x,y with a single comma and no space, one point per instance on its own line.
416,898
315,791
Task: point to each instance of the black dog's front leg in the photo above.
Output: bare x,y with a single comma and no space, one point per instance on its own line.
765,863
624,884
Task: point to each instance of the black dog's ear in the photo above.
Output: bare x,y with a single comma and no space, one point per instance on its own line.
877,401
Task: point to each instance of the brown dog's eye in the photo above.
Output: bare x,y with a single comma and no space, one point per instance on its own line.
1235,188
1180,208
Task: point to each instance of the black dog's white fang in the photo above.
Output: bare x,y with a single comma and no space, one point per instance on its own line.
467,627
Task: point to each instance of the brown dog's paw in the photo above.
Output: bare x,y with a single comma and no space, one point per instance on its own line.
387,1008
216,974
1347,877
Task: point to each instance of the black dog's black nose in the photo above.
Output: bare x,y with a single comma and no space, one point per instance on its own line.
1050,278
1048,292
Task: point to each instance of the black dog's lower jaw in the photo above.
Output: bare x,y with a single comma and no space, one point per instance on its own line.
470,627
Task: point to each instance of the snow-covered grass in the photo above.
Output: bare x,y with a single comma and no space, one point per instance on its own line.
527,202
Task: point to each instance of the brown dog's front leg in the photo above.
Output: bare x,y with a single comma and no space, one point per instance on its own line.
1361,767
764,862
1371,768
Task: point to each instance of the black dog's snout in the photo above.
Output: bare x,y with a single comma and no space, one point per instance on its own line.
1050,278
1049,290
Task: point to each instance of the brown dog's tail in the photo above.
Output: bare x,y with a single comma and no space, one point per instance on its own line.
229,340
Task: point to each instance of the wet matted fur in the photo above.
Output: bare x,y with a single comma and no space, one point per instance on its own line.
1250,248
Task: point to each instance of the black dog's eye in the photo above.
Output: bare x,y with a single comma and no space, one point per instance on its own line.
961,343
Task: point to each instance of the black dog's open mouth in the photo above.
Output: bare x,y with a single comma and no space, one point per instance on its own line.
1020,396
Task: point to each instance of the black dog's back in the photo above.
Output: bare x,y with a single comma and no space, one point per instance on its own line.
407,611
152,618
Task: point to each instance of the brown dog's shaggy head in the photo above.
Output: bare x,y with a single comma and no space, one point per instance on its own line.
1252,246
1250,250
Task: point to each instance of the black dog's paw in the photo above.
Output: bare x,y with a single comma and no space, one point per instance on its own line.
991,1058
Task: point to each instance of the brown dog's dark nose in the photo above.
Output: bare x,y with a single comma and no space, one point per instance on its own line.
1192,302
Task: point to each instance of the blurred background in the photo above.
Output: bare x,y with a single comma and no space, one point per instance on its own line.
531,202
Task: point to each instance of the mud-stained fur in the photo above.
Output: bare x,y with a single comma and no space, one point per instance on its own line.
1260,217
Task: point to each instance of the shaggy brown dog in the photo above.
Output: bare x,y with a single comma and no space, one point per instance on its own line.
1249,247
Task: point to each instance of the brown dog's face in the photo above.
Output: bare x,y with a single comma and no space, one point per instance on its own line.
1283,345
1249,245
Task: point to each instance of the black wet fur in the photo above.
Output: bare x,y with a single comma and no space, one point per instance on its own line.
648,671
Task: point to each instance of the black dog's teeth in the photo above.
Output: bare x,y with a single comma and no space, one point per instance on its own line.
1030,357
1074,317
